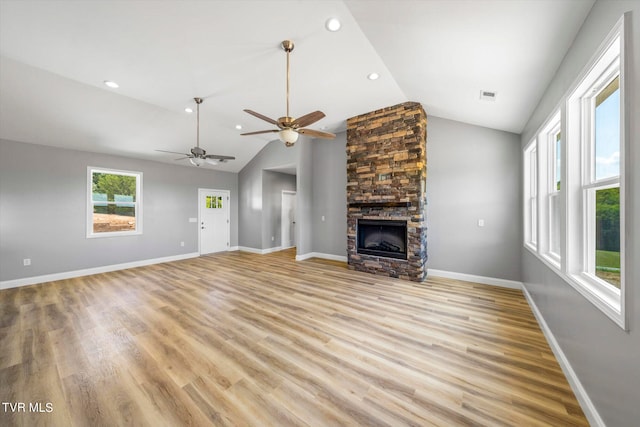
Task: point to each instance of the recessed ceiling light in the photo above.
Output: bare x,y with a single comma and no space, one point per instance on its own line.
189,110
332,24
239,127
112,85
373,76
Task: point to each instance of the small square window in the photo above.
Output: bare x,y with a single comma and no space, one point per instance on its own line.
113,203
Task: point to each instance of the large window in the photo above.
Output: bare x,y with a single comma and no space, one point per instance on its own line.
580,170
595,111
114,202
602,186
550,202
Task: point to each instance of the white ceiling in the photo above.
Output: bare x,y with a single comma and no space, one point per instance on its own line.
55,55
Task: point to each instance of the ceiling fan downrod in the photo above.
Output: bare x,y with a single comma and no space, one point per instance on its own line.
198,102
288,46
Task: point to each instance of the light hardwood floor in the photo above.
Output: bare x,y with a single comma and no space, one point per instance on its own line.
244,339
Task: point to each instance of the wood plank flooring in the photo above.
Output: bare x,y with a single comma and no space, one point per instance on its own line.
261,340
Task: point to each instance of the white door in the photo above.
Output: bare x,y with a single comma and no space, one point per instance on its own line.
213,212
288,219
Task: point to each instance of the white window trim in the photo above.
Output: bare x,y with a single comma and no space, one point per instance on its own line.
552,191
611,301
530,214
138,202
599,71
546,173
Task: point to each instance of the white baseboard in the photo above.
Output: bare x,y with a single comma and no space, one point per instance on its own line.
271,250
250,250
233,248
260,251
321,255
581,394
513,284
6,284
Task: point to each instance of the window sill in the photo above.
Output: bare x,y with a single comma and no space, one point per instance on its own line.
114,234
553,260
609,302
532,248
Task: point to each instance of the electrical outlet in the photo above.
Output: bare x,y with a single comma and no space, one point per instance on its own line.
181,243
26,261
273,238
322,218
481,223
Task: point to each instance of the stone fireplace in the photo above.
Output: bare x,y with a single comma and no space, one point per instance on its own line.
386,178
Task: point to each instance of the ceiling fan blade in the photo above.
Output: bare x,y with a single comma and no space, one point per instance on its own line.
219,157
261,131
182,158
172,152
317,133
308,119
260,116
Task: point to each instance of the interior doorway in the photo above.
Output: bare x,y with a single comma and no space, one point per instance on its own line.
288,219
214,227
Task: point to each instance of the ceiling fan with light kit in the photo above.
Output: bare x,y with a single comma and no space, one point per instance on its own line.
198,155
288,127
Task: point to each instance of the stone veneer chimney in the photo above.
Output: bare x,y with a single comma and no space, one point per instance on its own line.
386,178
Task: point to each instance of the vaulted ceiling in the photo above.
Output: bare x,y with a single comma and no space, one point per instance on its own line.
55,56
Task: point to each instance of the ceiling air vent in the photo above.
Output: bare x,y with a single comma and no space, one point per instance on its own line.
486,95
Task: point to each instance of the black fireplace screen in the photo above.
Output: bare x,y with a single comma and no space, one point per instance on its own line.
384,238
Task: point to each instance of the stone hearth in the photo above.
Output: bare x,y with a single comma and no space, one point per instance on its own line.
386,178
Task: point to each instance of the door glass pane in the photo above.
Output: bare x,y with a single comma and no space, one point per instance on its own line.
607,238
607,131
214,202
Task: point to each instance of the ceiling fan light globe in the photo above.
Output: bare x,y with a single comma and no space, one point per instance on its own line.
288,136
212,161
195,161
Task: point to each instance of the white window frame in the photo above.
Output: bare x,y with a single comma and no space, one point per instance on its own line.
553,194
90,203
530,208
576,242
608,62
547,192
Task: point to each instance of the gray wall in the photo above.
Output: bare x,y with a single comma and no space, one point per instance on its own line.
250,183
605,358
473,173
304,197
320,184
329,184
43,193
273,183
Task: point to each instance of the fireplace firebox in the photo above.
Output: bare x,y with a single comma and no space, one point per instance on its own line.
385,238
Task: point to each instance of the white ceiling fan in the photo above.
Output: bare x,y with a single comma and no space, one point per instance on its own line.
198,155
